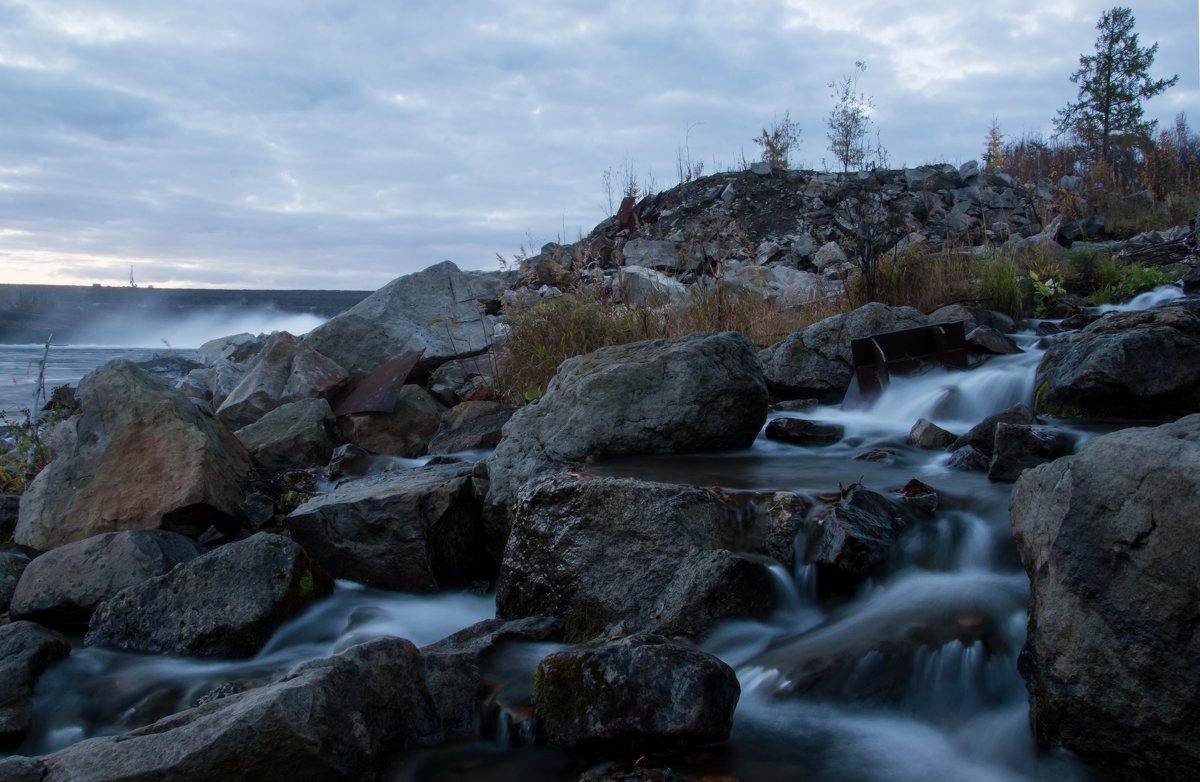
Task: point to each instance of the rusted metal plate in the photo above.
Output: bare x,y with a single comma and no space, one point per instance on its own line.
625,214
906,351
377,392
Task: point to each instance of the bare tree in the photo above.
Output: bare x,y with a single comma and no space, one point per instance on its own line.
871,229
850,124
779,141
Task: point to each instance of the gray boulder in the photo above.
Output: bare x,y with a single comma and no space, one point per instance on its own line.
652,254
982,436
655,557
929,436
1128,364
141,455
851,539
471,425
636,694
405,431
287,369
225,603
1108,538
985,339
65,585
817,362
436,310
418,530
702,392
294,435
340,718
462,379
1018,447
647,287
801,431
26,651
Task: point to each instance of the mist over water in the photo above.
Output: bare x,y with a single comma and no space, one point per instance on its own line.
158,330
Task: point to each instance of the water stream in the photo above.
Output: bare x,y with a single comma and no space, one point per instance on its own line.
914,677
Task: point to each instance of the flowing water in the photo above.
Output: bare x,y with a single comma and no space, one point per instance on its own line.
912,678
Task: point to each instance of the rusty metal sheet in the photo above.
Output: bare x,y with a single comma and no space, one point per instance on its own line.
625,215
906,351
377,392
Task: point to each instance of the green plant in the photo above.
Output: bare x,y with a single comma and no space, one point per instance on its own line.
1116,283
779,141
30,451
1047,293
999,281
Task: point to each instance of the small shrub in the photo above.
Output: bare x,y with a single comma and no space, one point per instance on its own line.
30,452
1047,293
1117,283
1085,265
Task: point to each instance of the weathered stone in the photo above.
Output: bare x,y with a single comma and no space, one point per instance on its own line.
418,530
26,650
294,435
1108,539
985,339
982,436
406,431
339,718
462,378
471,425
652,254
436,310
1021,446
928,435
969,458
647,287
287,369
141,455
348,461
597,551
849,540
703,392
65,585
817,361
830,254
636,694
1128,364
799,431
225,603
973,317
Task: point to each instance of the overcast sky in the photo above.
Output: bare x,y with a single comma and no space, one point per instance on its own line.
342,143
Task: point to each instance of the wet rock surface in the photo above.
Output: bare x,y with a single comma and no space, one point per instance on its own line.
1107,537
637,693
26,650
799,431
223,604
1018,447
293,435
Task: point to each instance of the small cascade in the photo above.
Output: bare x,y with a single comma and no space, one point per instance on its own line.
1144,301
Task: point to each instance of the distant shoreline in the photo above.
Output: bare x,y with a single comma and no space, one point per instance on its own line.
31,313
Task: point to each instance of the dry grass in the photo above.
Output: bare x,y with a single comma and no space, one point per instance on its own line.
921,277
544,335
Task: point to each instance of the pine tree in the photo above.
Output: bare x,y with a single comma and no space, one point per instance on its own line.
1113,82
993,148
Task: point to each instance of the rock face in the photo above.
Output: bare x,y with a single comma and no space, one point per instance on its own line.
817,362
1108,538
65,585
141,455
471,425
225,603
406,431
12,565
1018,447
656,557
849,540
703,392
400,316
927,435
419,530
287,369
26,650
1144,363
638,693
295,435
974,450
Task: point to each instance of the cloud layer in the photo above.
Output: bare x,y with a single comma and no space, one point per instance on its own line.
339,144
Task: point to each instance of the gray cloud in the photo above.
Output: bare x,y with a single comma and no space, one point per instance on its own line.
265,143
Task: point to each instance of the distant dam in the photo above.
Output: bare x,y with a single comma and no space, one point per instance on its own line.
30,314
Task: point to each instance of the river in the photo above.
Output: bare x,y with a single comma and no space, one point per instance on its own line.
883,709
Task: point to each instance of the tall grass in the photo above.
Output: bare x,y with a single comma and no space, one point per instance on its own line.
542,336
999,283
922,277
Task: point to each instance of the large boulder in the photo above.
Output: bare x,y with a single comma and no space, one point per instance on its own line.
1018,447
654,557
418,530
1108,537
702,392
295,435
26,650
405,431
140,455
287,369
636,694
225,603
65,585
471,425
817,361
436,310
1127,364
339,718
